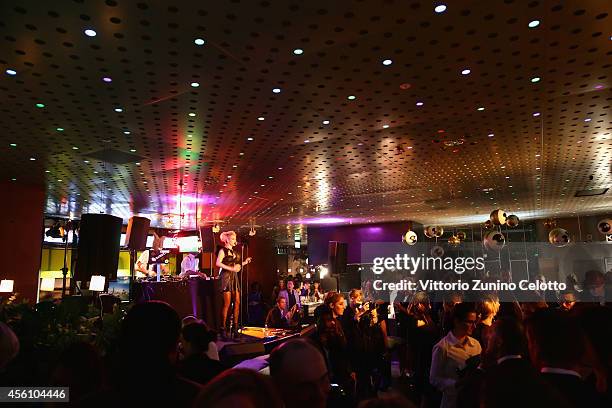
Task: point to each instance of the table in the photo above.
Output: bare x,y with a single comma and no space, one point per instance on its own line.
190,297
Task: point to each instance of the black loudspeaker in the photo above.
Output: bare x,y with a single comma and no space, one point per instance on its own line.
208,239
99,242
232,354
137,231
337,257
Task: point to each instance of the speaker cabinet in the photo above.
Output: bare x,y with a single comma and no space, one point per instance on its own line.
137,231
337,257
99,242
208,239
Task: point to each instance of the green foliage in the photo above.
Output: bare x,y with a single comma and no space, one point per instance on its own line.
49,327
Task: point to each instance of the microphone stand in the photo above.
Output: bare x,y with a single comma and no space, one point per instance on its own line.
241,286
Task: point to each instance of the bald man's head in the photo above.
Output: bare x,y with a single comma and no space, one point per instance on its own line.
299,370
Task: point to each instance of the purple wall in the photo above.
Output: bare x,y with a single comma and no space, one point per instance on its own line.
353,235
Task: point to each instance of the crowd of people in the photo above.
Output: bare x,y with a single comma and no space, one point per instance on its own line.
456,353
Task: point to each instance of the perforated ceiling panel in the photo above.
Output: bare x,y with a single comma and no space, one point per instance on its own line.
319,111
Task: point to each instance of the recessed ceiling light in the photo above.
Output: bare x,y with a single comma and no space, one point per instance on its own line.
90,33
261,118
534,23
191,114
199,41
133,150
306,141
419,104
107,79
195,84
587,120
298,51
11,72
75,148
387,62
126,132
86,161
440,8
59,129
491,134
13,145
40,105
276,90
385,126
119,110
536,114
13,179
535,79
351,97
32,158
250,139
326,122
481,108
465,71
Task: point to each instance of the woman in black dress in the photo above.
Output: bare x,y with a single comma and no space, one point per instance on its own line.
229,265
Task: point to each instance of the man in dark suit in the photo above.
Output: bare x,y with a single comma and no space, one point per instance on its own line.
556,347
279,317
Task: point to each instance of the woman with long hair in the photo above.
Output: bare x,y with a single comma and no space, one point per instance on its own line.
229,265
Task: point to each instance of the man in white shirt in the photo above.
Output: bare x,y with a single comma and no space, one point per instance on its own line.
450,354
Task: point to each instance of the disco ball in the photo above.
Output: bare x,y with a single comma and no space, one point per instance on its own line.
605,226
461,235
494,240
410,238
430,231
512,221
498,217
487,225
437,251
454,241
559,237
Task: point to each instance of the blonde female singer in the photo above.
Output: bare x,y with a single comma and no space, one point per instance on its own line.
229,265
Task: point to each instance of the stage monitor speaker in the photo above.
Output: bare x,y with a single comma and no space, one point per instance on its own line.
208,239
99,242
232,354
137,231
328,284
337,257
